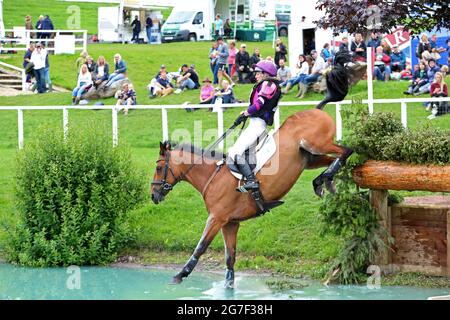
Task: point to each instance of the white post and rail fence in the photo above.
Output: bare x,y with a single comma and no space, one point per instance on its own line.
22,38
219,110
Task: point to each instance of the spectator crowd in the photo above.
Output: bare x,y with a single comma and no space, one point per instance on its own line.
231,65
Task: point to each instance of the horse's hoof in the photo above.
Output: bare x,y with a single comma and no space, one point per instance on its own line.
331,186
318,190
176,280
229,284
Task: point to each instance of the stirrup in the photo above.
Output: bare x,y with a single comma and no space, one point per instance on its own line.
246,187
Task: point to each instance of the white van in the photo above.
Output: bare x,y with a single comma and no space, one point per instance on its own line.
193,20
189,21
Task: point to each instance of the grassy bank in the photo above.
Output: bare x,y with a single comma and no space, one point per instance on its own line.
61,13
285,240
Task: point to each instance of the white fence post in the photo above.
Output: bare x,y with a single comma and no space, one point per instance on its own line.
338,122
165,125
85,40
115,127
20,127
220,122
369,79
65,122
277,119
404,115
27,38
24,81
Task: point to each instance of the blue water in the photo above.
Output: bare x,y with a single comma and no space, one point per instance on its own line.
99,283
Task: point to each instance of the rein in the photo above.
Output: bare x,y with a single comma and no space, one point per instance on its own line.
166,187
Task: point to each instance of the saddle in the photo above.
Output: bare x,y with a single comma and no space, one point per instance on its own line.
257,156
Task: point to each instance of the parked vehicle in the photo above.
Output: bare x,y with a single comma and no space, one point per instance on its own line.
283,21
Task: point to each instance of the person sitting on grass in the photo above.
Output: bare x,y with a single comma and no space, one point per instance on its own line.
302,70
126,97
163,87
207,92
83,85
444,71
153,82
81,60
438,89
120,69
420,78
382,68
91,65
432,69
101,73
188,79
398,59
283,73
226,93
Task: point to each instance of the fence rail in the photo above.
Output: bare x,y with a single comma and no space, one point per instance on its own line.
218,108
24,37
22,73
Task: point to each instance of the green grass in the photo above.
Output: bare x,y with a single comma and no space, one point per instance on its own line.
285,240
14,13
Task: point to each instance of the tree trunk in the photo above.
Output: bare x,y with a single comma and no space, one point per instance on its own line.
390,175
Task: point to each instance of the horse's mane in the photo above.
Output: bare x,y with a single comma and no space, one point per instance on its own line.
188,147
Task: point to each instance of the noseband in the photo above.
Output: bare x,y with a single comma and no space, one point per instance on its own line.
165,186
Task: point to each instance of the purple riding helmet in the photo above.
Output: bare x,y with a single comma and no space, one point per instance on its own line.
266,66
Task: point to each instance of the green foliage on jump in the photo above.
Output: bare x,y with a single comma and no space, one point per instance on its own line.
72,196
348,214
381,136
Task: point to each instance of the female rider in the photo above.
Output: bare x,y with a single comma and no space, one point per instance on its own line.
263,103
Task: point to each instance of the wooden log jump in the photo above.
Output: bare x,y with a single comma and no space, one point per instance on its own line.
420,226
390,175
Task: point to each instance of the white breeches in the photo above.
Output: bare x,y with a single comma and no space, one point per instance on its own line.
248,137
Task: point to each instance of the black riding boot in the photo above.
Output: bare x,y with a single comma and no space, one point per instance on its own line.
246,171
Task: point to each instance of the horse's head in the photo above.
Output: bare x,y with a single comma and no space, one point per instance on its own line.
166,174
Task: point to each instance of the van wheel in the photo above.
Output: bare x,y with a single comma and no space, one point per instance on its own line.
192,37
283,32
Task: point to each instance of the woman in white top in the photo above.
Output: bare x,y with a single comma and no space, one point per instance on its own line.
38,59
84,83
101,71
302,68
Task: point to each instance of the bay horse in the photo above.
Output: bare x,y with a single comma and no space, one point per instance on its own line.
304,141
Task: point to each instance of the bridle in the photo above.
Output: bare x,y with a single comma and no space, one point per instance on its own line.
165,186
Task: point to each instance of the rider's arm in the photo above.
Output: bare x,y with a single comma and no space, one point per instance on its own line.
267,91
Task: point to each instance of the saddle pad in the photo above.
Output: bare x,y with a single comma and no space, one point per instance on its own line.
264,151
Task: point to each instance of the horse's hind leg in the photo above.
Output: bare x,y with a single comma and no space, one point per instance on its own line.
327,176
213,225
229,232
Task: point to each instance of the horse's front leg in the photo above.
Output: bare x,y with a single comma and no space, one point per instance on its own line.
213,225
229,232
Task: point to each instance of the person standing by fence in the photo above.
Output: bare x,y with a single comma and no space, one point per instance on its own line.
27,60
48,80
38,58
148,28
39,26
29,25
136,24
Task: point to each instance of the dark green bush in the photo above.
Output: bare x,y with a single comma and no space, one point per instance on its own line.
72,196
381,136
